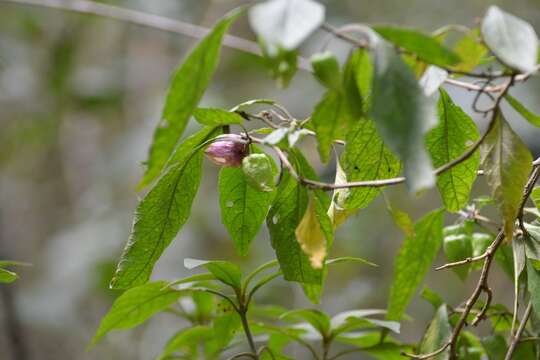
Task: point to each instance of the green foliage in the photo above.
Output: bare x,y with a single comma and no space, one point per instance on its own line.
413,261
243,208
425,47
7,276
507,162
187,88
379,112
162,213
135,306
451,138
403,114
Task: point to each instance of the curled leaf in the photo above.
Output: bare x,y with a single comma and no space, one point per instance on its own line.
311,237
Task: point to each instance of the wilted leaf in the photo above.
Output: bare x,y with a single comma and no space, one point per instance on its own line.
311,237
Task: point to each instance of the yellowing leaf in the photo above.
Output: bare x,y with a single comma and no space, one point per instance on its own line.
311,237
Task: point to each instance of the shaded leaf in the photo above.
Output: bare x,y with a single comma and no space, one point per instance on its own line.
162,213
402,114
413,261
424,46
455,133
186,90
135,306
456,248
286,23
437,334
186,339
511,39
495,346
319,320
432,297
507,163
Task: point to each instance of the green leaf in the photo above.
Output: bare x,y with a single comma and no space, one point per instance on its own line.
186,339
401,219
243,208
437,334
403,114
7,277
281,63
532,241
162,213
246,104
507,163
356,71
331,119
456,248
495,346
225,325
432,297
424,46
511,39
135,306
226,272
386,351
366,157
413,261
343,259
533,286
287,210
523,111
259,172
535,196
192,279
358,319
216,117
455,133
187,88
284,23
471,51
319,320
326,70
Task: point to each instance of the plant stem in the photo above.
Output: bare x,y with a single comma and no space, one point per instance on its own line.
515,338
247,331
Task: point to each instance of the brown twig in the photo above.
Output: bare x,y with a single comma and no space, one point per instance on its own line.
516,337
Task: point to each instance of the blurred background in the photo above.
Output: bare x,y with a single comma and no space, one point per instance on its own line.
79,99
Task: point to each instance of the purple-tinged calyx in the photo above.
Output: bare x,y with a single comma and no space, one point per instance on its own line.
228,150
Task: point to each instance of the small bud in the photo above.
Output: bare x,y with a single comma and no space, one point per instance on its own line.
229,150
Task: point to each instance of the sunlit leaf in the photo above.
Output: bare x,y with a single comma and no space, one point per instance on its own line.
7,277
216,117
162,213
523,111
471,50
455,133
286,23
186,90
513,41
424,46
366,157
